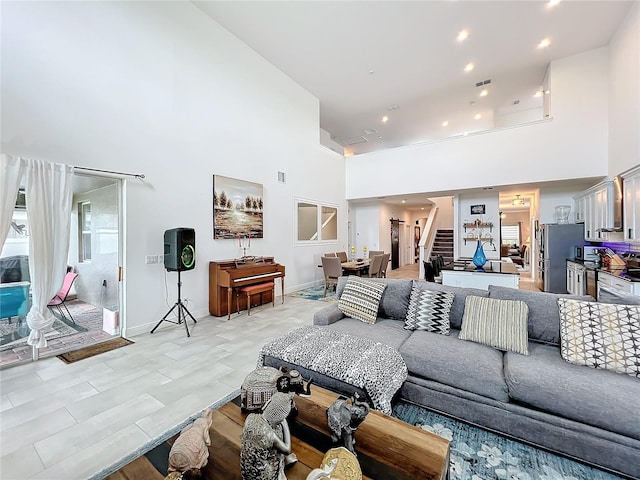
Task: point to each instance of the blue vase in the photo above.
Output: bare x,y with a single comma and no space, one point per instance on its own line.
479,258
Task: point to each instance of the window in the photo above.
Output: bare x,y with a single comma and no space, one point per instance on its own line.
316,222
84,221
510,234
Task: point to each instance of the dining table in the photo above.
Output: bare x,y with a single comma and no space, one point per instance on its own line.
355,267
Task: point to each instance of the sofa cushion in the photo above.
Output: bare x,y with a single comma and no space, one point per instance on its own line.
500,324
601,335
613,295
543,380
457,308
395,298
360,299
429,310
388,332
544,319
466,365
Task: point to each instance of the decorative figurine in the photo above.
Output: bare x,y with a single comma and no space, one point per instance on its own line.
266,441
345,418
190,452
258,387
324,472
292,381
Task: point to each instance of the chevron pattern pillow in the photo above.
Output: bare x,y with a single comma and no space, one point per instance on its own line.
600,335
429,310
360,299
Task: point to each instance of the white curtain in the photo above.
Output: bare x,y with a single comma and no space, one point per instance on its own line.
49,195
11,169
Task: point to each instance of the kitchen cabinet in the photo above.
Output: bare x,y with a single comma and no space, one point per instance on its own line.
576,279
631,209
615,282
594,207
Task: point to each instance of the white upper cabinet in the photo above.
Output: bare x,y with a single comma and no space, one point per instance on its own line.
631,205
594,207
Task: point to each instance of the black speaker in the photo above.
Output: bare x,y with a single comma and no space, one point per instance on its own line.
180,249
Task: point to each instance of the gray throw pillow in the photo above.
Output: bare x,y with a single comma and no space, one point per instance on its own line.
360,299
429,311
601,335
500,324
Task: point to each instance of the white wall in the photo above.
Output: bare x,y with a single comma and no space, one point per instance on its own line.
624,95
159,88
463,215
571,145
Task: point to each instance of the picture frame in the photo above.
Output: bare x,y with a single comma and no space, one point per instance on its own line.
478,209
238,208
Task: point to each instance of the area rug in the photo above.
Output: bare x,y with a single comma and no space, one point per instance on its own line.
477,454
97,349
316,293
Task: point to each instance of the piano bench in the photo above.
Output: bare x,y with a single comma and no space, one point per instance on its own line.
255,289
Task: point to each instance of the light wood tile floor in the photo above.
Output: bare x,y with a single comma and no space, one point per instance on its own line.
61,421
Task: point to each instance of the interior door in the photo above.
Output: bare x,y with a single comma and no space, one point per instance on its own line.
395,244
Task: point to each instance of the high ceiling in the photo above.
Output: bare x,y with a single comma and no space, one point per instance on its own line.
367,59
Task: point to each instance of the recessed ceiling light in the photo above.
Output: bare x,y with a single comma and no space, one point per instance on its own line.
544,43
547,92
385,119
404,201
477,116
538,94
484,93
462,36
468,67
445,123
553,3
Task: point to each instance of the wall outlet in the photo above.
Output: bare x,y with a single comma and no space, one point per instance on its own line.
149,259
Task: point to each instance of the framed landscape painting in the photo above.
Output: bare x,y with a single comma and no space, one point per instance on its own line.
237,208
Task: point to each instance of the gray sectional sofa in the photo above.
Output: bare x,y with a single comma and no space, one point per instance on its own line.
589,414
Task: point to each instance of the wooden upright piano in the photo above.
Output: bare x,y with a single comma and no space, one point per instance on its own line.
225,275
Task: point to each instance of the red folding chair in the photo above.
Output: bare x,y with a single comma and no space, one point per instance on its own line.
59,300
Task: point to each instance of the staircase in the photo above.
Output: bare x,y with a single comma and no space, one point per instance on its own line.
443,245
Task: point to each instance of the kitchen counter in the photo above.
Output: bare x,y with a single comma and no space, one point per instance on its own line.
506,275
621,273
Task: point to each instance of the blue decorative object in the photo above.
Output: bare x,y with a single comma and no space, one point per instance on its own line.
479,258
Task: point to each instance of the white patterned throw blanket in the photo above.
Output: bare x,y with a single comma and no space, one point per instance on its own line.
377,368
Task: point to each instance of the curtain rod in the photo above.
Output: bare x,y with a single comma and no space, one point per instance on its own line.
139,176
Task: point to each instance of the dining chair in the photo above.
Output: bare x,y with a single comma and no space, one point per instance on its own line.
330,254
332,270
373,253
342,256
384,264
374,266
58,301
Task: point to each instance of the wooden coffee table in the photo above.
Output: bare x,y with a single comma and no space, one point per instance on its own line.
387,448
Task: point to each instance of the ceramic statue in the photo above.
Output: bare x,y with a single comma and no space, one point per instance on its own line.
266,441
344,418
190,452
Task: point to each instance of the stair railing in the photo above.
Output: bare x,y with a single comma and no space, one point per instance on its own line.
427,239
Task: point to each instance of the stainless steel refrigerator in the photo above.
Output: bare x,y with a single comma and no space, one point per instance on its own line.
555,244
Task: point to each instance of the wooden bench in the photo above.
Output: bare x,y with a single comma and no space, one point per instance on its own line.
255,289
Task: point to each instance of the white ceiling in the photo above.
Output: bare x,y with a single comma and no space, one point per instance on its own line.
361,57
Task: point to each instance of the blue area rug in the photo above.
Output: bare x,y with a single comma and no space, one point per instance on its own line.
315,293
480,455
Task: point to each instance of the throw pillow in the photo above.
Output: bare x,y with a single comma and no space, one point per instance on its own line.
360,299
600,335
501,324
429,310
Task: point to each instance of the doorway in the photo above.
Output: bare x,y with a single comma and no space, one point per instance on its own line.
92,307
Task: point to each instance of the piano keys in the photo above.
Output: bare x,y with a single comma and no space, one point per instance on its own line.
225,275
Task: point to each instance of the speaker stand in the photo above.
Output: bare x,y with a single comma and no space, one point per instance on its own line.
182,309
